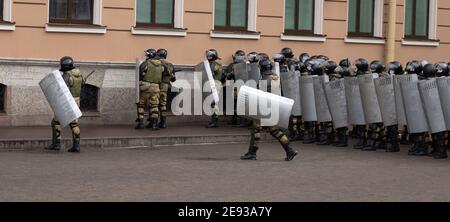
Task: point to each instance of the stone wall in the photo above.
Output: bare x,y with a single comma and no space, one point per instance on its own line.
26,104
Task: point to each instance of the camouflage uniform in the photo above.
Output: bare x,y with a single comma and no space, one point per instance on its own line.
274,131
74,80
164,87
150,90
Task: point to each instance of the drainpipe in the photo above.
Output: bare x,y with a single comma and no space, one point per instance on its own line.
390,44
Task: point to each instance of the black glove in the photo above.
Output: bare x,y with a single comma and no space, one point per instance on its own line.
173,79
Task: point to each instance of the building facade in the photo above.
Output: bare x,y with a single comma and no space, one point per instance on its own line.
108,36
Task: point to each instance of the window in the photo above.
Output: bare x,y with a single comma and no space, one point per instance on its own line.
155,13
1,10
2,98
361,18
89,98
299,16
231,15
417,19
71,11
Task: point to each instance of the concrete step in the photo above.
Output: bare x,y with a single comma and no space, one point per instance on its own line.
36,138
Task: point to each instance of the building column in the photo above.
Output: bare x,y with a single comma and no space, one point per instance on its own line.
390,44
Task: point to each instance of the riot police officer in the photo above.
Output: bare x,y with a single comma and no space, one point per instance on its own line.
362,67
303,57
216,67
168,77
151,75
439,148
238,57
419,146
266,67
73,79
339,136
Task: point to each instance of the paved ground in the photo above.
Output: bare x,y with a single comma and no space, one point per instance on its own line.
204,173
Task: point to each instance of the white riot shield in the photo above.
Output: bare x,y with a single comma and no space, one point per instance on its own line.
415,114
444,95
354,102
60,99
254,72
399,106
372,112
276,84
240,71
386,98
322,109
270,109
335,94
432,105
307,98
207,77
137,74
291,89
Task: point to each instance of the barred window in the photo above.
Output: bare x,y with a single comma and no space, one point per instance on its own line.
231,15
71,11
89,98
155,13
299,16
416,19
361,18
2,98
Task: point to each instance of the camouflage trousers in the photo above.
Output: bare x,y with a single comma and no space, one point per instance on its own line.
274,131
74,125
296,124
164,89
149,95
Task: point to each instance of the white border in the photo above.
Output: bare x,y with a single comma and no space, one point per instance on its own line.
69,29
168,32
420,43
215,34
365,40
303,38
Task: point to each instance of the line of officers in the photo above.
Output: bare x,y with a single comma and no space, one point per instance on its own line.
370,137
156,75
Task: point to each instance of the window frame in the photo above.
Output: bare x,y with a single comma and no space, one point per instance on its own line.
69,12
297,31
153,23
4,98
357,33
228,26
2,8
414,36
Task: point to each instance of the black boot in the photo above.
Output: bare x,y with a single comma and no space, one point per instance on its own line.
342,138
140,124
392,140
251,154
421,148
309,133
323,138
440,146
214,122
290,152
56,143
162,122
76,144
